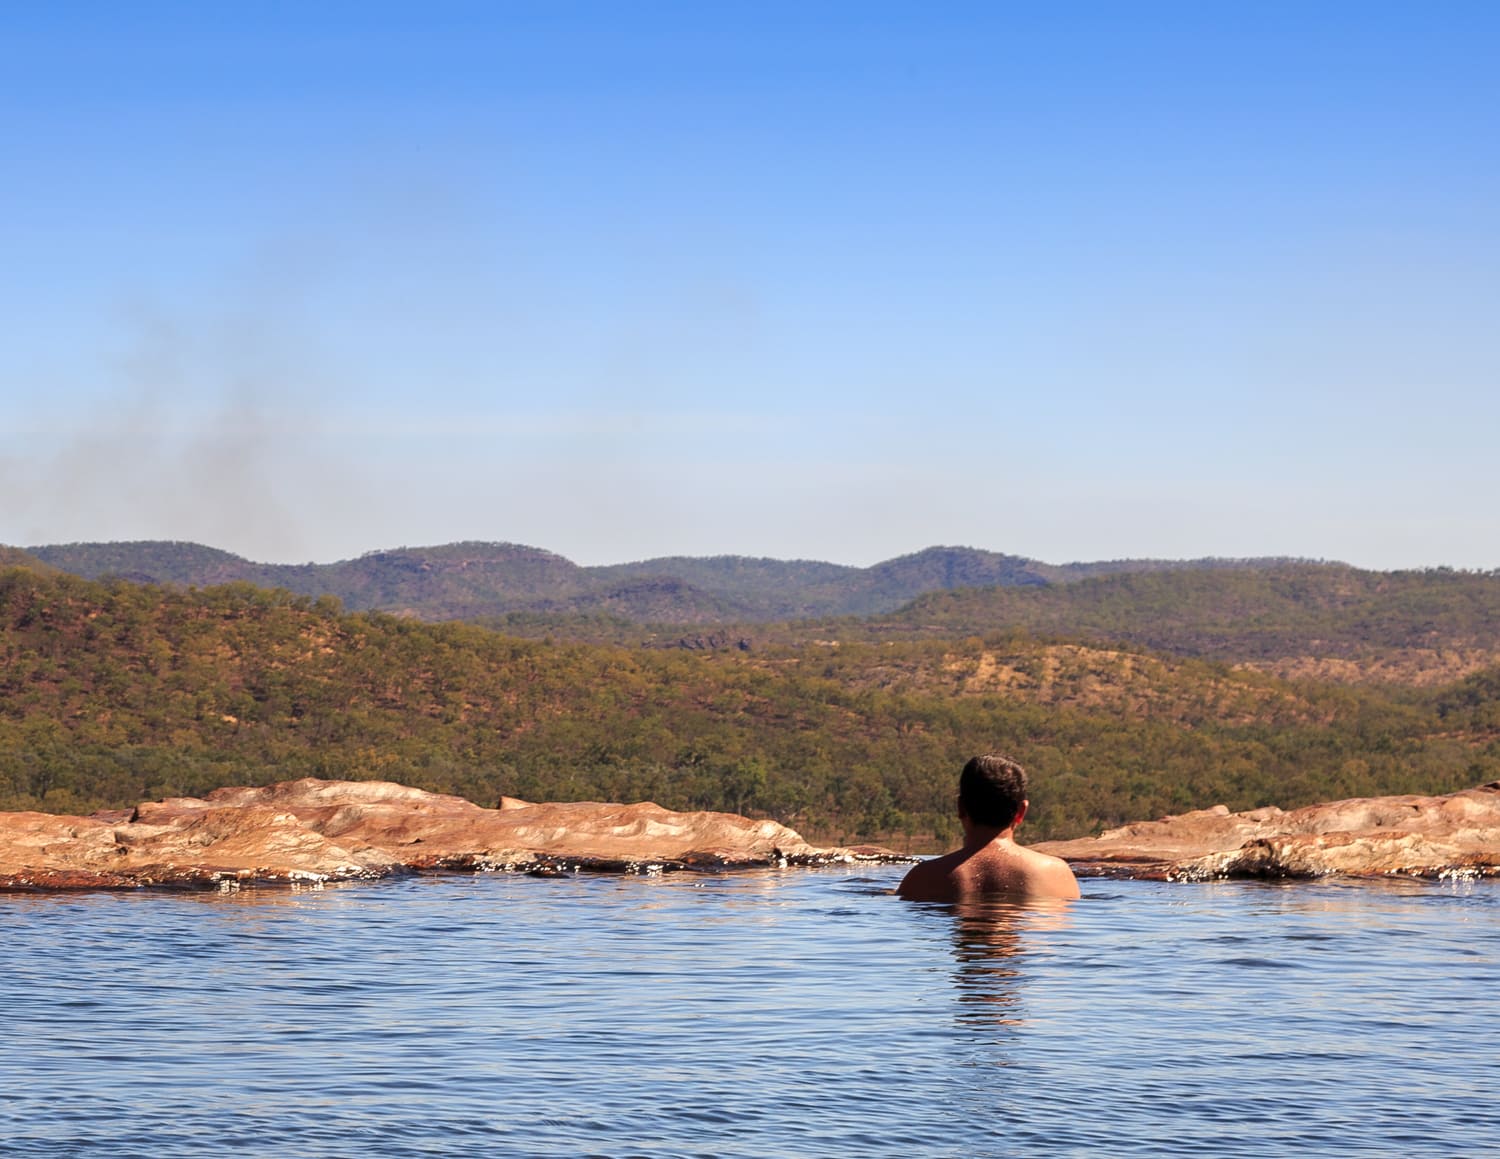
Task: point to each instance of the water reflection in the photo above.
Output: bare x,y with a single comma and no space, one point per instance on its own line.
990,939
987,948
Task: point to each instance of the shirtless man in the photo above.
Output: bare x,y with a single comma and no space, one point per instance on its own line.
991,804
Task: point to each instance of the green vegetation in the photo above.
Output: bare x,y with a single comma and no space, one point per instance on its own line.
1323,620
113,692
1235,614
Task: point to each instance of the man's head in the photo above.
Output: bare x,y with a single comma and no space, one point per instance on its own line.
992,791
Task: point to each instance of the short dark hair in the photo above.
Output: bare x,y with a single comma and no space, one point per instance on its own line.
991,790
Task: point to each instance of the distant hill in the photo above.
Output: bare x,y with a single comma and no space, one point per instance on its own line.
454,581
1247,613
163,562
1325,621
15,557
664,599
472,581
1293,618
751,589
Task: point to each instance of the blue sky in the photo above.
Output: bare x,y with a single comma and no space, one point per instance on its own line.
834,281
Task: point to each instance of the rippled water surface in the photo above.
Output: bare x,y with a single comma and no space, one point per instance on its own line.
759,1014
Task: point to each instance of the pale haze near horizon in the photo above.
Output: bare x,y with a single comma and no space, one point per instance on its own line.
836,282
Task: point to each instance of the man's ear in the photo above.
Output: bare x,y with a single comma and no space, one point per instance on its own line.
1020,815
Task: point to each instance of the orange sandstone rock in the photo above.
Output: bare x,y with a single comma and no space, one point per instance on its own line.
1453,835
314,831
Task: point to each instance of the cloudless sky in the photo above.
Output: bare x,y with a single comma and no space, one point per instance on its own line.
824,280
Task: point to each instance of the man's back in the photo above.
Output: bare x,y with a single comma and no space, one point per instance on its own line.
998,867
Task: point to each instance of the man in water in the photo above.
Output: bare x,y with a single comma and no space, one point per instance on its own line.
991,804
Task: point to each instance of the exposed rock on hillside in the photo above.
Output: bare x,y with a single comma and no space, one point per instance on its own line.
314,831
1454,835
711,642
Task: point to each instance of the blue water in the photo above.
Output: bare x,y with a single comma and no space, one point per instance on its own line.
786,1013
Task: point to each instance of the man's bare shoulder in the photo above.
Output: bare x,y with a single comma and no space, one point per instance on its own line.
932,880
1052,876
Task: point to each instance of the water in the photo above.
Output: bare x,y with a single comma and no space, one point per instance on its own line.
777,1013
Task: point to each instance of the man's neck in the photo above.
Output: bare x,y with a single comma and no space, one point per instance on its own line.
978,836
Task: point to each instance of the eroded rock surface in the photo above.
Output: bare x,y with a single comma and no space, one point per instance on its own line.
314,831
1453,835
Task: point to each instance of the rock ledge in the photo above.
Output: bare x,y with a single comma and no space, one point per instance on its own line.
311,831
1457,835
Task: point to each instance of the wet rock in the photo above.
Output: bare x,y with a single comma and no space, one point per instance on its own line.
1453,835
315,831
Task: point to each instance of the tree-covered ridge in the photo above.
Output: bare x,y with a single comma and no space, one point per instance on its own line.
749,588
1068,675
156,561
1249,614
453,581
116,692
1319,622
1297,620
477,581
15,557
